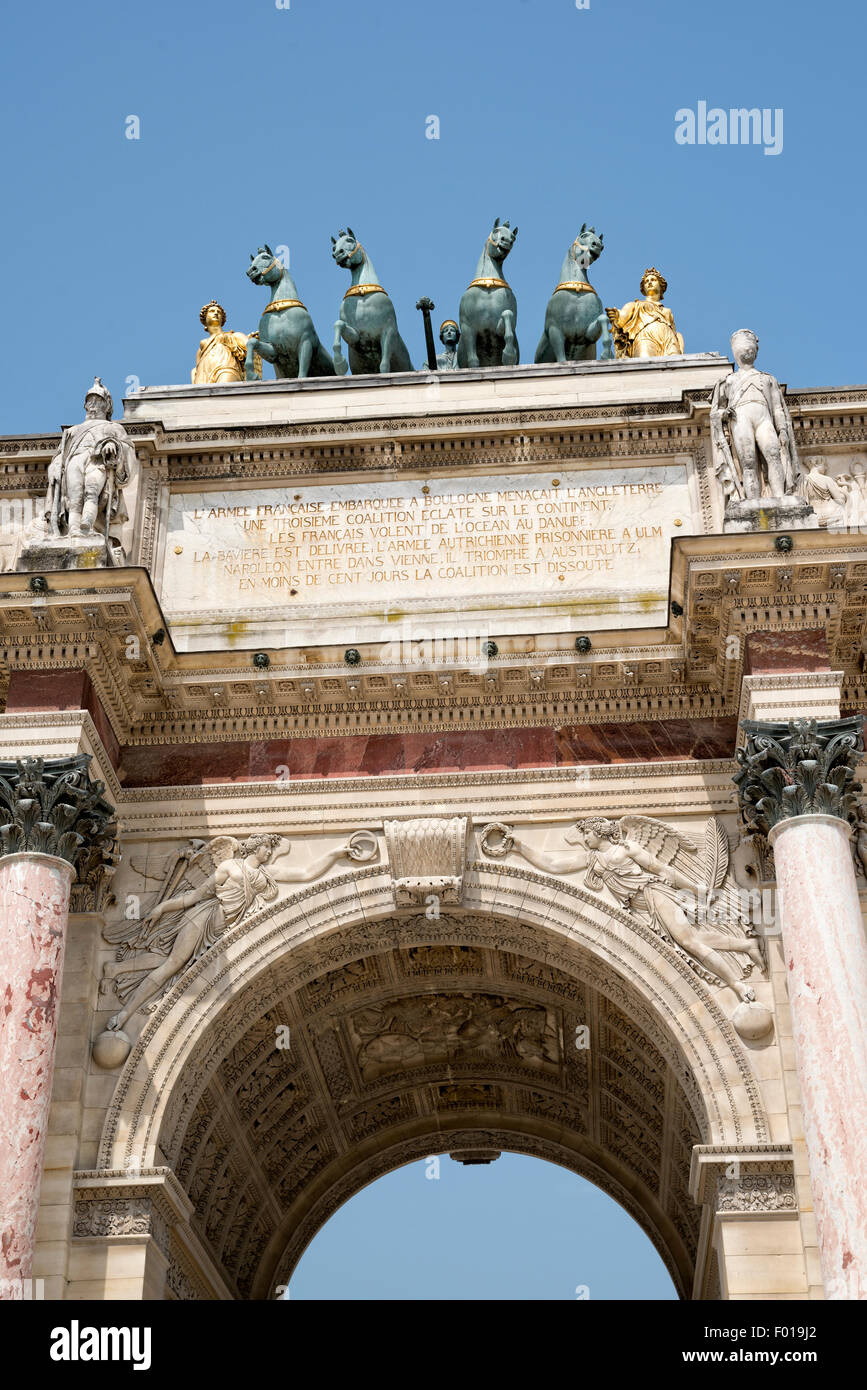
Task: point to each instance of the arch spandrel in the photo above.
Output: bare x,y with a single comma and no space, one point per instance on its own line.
264,1141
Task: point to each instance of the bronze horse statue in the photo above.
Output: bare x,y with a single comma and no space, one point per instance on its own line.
367,321
575,318
286,334
489,310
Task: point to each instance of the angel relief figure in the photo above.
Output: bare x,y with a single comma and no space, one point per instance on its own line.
649,868
224,879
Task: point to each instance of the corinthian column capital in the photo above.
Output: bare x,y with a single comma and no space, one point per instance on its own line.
51,806
800,768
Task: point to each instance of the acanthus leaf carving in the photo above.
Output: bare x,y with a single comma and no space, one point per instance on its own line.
51,806
803,767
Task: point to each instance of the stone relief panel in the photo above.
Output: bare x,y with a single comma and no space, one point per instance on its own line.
836,488
416,1031
205,888
685,892
441,960
344,983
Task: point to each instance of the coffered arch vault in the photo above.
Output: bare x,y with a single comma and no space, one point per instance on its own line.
409,1036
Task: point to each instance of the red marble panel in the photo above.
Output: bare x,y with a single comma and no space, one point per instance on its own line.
470,750
61,690
768,652
47,690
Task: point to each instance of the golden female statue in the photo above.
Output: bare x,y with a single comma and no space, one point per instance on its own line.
221,355
644,327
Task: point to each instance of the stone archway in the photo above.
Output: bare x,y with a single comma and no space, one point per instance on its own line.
410,1036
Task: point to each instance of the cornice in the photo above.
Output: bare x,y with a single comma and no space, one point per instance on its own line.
728,586
302,787
499,438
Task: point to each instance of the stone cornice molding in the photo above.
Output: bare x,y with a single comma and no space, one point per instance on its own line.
118,1206
159,1184
78,721
787,680
728,587
806,692
816,414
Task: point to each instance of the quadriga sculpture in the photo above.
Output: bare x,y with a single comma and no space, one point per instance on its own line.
367,321
286,335
489,310
575,318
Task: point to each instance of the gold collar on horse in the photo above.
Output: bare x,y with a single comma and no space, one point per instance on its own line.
283,304
363,289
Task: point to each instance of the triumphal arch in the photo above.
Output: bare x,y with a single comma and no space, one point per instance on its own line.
435,762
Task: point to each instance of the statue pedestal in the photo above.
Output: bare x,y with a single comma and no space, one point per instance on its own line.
67,553
770,514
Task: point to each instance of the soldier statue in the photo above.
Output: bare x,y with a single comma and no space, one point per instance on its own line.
758,452
86,475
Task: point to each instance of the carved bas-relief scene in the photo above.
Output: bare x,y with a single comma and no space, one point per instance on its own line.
463,760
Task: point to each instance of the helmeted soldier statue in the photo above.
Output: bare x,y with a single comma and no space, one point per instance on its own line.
87,473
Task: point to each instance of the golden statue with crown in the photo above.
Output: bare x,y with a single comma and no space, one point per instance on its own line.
222,354
645,327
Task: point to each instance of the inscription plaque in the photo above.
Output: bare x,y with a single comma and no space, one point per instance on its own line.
315,563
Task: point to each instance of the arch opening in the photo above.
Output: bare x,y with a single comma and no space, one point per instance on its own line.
406,1037
507,1227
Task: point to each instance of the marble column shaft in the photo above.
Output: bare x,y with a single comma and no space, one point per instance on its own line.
826,961
797,790
52,817
34,911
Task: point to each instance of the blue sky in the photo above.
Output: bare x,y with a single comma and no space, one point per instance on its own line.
518,1228
282,125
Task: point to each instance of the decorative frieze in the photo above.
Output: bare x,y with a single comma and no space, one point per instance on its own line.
120,1216
764,1192
119,1203
744,1180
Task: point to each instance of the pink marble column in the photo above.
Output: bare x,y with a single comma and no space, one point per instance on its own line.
34,909
826,961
